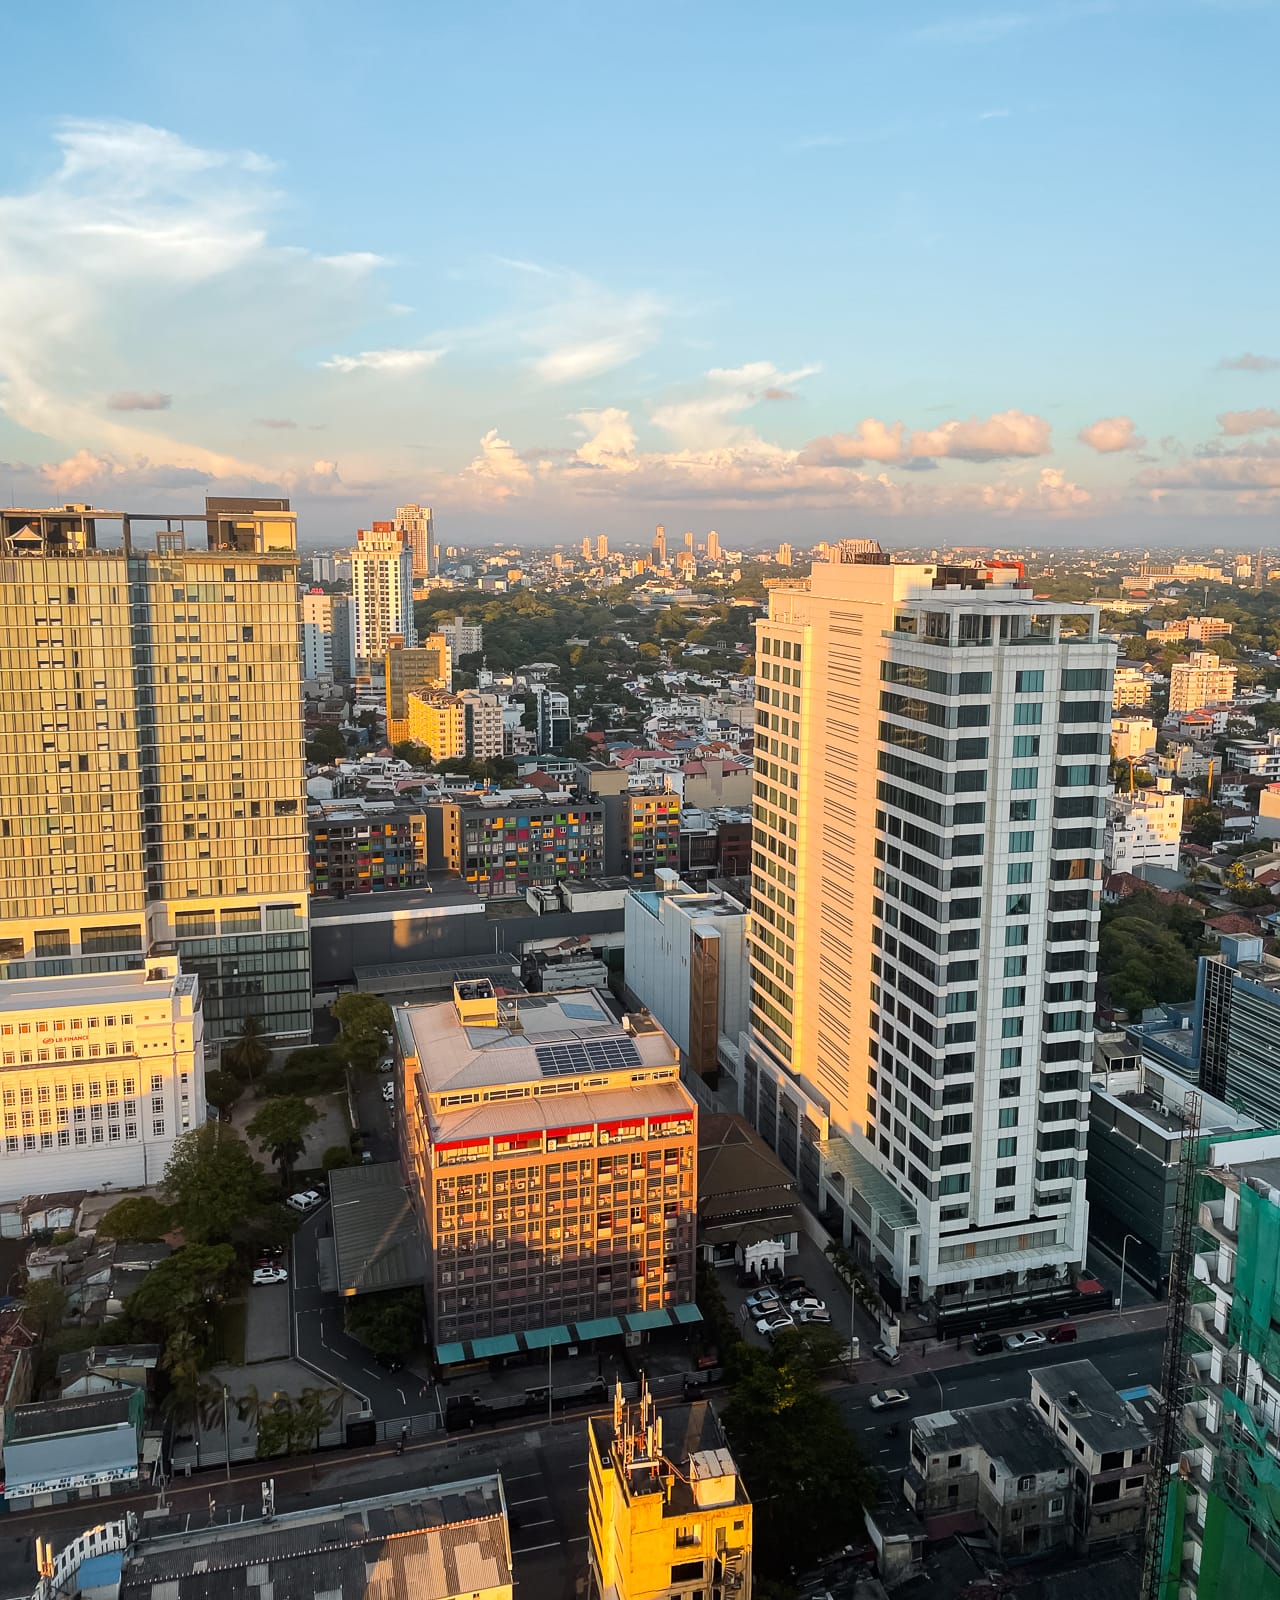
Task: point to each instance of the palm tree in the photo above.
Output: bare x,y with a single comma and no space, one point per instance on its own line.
247,1054
317,1408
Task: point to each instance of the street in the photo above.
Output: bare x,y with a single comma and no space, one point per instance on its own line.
1125,1360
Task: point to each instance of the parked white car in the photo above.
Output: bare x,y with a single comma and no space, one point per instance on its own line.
264,1275
305,1200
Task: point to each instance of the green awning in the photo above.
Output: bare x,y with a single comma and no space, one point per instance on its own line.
689,1313
644,1321
542,1338
501,1344
447,1355
599,1328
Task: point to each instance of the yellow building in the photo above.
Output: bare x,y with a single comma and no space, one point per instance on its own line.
411,671
439,722
1201,681
669,1515
1132,738
151,779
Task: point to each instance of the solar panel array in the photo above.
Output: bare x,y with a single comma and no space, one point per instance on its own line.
587,1055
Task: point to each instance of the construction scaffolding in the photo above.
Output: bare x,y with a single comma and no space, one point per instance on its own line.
1164,1532
1220,1487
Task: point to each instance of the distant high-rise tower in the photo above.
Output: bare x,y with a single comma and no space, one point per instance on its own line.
151,782
425,668
713,546
381,592
784,555
602,546
660,546
586,549
928,836
416,523
688,541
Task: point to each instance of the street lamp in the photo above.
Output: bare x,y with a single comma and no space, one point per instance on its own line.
942,1404
1124,1247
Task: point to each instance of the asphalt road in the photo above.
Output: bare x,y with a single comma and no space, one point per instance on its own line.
1125,1360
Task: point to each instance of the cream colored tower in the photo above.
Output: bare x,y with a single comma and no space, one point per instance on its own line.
151,791
931,769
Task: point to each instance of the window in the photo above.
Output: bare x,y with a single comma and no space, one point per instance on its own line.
1016,935
1026,713
1020,841
1006,1177
1014,995
1017,905
1006,1148
1010,1087
1011,1027
1025,778
1015,966
1028,683
1008,1116
1022,811
1019,872
1026,744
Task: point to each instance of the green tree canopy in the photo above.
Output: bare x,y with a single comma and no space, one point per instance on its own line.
804,1470
389,1324
138,1217
1205,827
1147,952
182,1294
366,1023
326,745
281,1125
222,1089
212,1183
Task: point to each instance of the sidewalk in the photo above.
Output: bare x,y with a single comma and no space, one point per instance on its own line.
924,1357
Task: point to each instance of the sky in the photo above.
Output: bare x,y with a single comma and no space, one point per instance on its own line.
928,271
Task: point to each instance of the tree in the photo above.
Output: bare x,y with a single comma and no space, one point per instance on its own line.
43,1303
212,1183
1205,827
222,1089
337,1155
366,1024
793,1448
247,1054
417,755
181,1295
316,1409
281,1125
138,1217
325,746
389,1324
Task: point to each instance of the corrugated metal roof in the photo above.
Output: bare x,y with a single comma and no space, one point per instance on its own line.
375,1233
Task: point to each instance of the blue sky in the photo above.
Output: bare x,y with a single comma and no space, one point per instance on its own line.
928,271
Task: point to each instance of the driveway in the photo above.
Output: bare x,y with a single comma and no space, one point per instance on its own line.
321,1341
266,1324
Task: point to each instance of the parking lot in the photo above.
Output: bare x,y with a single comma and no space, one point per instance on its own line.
817,1273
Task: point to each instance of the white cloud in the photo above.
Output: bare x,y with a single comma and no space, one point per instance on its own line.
574,328
394,360
1004,436
711,416
1111,434
1249,362
138,255
611,440
1235,423
498,471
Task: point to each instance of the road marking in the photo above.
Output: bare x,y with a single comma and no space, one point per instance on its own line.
532,1549
544,1522
1131,1374
519,1477
884,1452
532,1500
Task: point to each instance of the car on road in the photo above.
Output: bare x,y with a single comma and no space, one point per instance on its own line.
1064,1333
386,1063
792,1286
986,1344
884,1398
886,1353
265,1275
1024,1341
304,1200
389,1093
811,1316
774,1322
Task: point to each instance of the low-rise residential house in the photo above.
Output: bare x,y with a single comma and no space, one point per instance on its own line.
995,1470
102,1369
1109,1437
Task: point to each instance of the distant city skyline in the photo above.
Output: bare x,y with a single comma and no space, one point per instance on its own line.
1017,289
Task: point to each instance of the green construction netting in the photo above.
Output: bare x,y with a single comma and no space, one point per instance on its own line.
1255,1308
1171,1554
1229,1569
